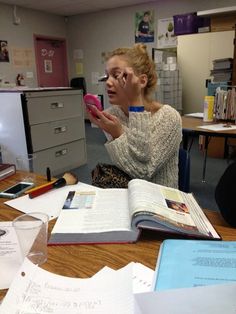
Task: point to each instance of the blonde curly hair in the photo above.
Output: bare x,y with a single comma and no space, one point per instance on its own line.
138,58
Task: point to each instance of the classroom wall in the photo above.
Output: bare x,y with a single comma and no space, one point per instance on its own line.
103,31
21,36
196,53
92,33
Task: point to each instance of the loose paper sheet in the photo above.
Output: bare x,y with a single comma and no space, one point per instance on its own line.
195,115
205,300
218,127
10,255
35,290
142,276
49,203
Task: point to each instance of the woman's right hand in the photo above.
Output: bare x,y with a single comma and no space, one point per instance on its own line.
106,121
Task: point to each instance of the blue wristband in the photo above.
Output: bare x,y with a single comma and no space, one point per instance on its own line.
136,109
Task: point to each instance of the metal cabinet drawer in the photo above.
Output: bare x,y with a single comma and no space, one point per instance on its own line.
55,133
44,107
61,158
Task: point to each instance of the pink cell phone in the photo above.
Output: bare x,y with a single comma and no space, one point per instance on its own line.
92,100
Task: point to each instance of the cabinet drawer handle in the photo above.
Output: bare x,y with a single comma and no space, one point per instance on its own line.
56,105
61,152
60,129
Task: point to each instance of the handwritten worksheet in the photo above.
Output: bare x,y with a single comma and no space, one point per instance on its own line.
35,290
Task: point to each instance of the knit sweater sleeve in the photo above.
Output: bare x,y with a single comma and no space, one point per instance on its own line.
148,142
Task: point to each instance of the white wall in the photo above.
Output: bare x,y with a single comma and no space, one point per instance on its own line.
195,55
21,36
103,31
93,33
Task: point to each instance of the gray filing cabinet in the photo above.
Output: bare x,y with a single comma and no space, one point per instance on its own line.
54,129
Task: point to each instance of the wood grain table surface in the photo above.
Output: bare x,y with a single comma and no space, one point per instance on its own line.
83,261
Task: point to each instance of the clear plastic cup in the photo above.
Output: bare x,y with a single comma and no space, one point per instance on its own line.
25,163
32,233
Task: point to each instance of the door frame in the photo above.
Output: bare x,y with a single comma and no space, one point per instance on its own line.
44,37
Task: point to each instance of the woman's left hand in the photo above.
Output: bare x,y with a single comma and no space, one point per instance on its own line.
106,121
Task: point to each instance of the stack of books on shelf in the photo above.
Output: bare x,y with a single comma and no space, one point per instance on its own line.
222,70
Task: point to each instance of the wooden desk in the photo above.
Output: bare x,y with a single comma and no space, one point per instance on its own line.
85,260
190,124
190,127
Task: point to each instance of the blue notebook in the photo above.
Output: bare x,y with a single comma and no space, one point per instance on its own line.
191,263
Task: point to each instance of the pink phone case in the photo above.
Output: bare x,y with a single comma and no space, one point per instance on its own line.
93,100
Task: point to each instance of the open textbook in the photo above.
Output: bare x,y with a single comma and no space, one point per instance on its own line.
118,215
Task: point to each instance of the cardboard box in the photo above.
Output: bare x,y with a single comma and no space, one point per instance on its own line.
223,22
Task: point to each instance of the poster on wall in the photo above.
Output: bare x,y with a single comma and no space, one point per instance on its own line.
78,54
4,54
144,27
104,56
48,66
22,57
165,33
79,68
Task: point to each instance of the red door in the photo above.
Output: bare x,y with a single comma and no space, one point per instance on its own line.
51,62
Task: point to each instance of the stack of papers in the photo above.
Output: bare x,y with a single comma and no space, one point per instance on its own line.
35,290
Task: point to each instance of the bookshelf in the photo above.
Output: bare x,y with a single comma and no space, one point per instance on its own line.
225,17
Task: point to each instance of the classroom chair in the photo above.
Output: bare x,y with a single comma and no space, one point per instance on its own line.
80,83
184,170
225,194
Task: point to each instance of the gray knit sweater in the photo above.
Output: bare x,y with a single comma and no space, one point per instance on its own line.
149,147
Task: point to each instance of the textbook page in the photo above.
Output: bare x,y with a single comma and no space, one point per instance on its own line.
94,217
168,209
95,211
35,290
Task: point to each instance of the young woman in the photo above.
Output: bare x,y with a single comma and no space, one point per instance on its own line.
145,135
